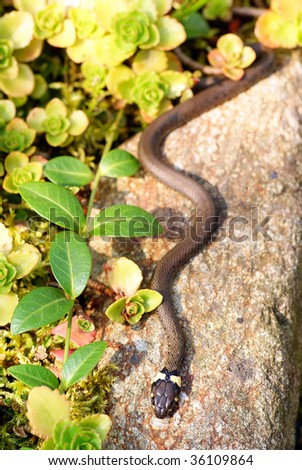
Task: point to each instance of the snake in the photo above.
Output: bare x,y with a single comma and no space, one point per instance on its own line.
166,387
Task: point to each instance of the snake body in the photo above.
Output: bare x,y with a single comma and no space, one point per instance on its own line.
165,389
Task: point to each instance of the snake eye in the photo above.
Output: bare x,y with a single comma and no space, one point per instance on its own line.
165,391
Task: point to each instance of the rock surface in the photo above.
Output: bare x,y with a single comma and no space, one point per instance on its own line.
239,300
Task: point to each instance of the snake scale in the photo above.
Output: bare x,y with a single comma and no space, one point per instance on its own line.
166,387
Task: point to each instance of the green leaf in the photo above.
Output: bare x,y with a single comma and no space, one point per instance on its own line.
34,375
151,299
81,362
25,258
78,123
117,78
45,407
30,52
56,106
7,110
40,307
64,38
125,221
188,7
20,86
118,163
8,303
70,261
196,26
123,276
150,59
29,5
114,311
177,82
274,30
100,423
163,6
17,27
172,33
54,203
56,140
68,171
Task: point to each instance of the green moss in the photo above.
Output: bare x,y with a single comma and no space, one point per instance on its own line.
14,429
90,395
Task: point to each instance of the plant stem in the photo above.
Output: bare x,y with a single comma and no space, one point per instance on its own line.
68,335
194,64
109,141
187,8
249,11
67,344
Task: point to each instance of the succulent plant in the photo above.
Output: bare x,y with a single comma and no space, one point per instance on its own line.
20,170
150,60
88,31
17,136
140,30
71,436
134,29
94,75
7,113
148,91
127,26
131,309
85,23
45,408
125,277
231,56
17,45
50,21
151,91
7,275
59,126
25,259
87,434
281,25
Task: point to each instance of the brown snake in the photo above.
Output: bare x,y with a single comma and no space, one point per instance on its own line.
166,386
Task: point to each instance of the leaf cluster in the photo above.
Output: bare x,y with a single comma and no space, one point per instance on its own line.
281,25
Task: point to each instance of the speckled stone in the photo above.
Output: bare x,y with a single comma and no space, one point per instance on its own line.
239,301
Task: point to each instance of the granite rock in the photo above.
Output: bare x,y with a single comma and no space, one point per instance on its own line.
239,299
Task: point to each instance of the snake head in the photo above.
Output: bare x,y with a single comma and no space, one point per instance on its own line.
165,392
